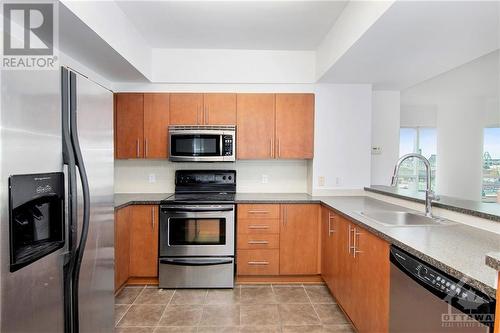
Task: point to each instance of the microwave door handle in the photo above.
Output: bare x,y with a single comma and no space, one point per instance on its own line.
195,262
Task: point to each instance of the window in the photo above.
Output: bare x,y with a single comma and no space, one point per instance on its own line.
491,164
422,140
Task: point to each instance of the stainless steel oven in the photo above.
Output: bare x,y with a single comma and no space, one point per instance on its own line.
196,230
202,143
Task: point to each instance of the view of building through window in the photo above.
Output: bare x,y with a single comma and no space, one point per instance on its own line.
422,140
491,164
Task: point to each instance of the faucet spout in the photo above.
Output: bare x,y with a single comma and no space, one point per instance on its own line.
429,194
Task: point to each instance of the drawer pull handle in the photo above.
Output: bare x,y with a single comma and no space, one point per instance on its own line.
258,211
256,263
258,242
258,227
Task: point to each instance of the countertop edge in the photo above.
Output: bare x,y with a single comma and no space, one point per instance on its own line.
438,204
493,260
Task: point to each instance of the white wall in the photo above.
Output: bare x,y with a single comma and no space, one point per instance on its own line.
232,66
283,176
385,134
342,144
342,137
462,102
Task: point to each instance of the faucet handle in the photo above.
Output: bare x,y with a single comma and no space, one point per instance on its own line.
433,196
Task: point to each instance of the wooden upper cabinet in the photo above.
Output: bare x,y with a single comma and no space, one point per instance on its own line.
299,239
255,126
186,109
129,120
219,109
156,121
294,126
143,241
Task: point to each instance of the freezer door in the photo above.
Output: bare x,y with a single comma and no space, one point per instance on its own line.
30,142
95,132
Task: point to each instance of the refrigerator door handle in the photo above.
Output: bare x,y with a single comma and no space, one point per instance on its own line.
86,196
69,160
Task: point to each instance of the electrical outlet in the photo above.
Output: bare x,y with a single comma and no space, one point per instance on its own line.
152,178
265,179
376,150
321,181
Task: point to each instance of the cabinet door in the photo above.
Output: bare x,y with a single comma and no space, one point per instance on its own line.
299,239
122,244
342,274
255,126
294,126
186,109
219,109
370,312
329,253
156,120
144,241
129,125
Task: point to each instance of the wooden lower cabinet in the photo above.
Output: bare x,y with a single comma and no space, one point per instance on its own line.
122,246
144,241
136,243
278,239
355,267
258,262
299,239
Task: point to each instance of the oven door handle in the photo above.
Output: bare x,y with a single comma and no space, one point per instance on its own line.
179,209
195,262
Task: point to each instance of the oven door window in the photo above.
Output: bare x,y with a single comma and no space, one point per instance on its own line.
196,145
197,231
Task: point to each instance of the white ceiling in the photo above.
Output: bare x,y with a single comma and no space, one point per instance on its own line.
250,25
416,40
80,42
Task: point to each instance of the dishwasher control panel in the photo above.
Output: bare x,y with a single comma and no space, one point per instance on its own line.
447,287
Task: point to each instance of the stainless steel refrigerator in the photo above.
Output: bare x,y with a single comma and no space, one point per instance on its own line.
60,121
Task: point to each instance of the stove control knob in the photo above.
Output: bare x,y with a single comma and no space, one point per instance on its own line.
230,177
223,177
422,271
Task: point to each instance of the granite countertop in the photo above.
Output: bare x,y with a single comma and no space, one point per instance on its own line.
490,211
460,250
126,199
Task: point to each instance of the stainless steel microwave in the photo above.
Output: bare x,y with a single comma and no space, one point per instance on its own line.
202,143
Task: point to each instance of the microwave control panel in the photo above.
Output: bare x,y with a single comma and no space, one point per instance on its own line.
228,145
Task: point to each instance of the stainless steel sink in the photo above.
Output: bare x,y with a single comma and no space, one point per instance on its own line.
404,219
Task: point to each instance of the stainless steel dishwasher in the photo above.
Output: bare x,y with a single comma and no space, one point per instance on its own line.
425,299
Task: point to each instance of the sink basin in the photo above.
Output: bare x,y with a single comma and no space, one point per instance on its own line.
404,219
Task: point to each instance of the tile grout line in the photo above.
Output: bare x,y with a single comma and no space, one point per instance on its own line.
165,309
314,308
123,315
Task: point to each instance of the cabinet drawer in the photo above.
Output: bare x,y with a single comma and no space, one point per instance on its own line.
262,226
258,241
258,262
259,211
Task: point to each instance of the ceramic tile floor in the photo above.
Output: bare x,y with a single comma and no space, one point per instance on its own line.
247,308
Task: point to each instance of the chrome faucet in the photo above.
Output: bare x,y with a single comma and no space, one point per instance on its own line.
429,194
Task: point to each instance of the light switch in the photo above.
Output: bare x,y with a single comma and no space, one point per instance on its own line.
265,179
321,181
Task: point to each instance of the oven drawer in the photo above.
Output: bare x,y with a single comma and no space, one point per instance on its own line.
197,272
259,211
258,241
262,226
258,262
